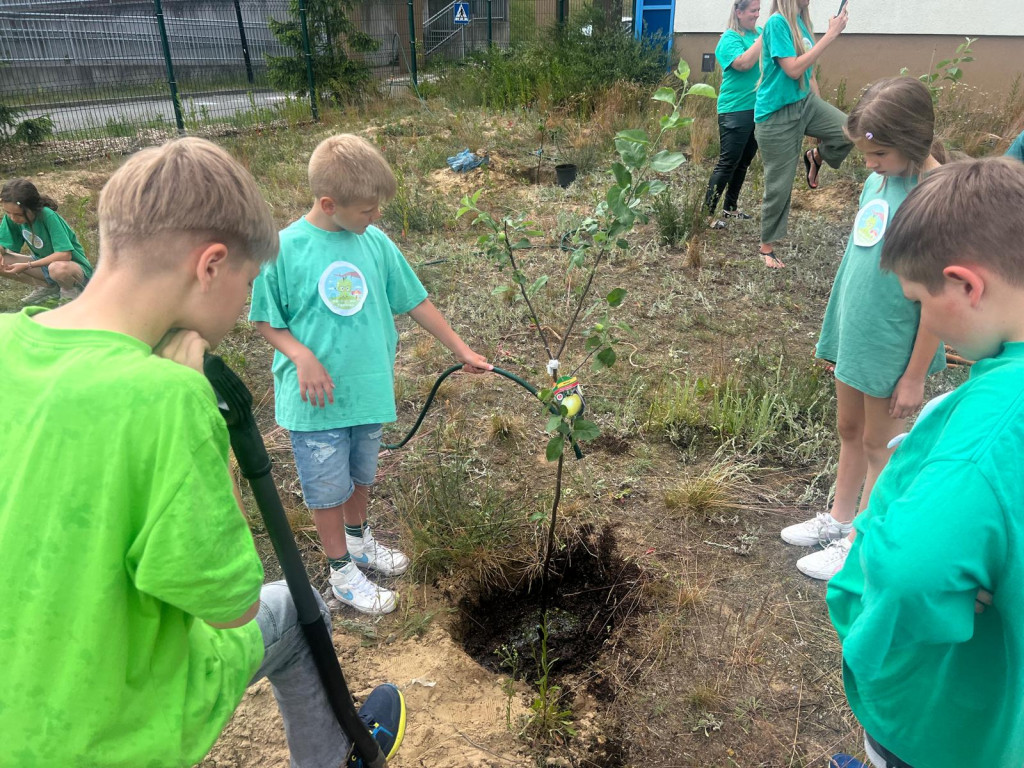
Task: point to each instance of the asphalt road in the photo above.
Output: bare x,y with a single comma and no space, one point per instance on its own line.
137,111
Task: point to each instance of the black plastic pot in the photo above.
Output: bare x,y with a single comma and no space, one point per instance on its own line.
565,173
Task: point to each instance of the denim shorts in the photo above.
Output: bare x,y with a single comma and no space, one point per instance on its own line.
331,462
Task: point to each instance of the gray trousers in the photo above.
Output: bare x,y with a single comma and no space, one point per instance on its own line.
315,740
780,139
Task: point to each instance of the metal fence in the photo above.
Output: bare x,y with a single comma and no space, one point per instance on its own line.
112,67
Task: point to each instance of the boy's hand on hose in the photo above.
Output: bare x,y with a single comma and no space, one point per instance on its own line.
906,397
982,601
473,362
316,386
184,347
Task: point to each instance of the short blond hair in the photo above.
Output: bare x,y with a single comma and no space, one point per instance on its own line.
187,187
964,212
349,169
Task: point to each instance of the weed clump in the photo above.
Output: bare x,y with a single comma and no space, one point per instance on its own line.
571,66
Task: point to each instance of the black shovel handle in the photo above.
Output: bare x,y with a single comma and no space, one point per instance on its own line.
235,402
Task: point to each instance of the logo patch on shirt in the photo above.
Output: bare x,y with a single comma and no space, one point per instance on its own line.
343,288
31,238
870,224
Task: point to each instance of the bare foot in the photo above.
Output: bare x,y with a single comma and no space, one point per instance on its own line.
771,260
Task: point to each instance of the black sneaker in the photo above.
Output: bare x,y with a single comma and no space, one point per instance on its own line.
384,714
737,214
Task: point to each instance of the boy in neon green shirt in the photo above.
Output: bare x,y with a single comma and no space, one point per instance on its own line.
929,604
116,472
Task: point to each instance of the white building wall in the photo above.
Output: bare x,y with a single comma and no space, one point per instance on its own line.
911,17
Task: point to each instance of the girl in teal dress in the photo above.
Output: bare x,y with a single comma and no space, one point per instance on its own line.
871,332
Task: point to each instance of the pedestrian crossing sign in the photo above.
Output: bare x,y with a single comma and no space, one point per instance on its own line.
462,13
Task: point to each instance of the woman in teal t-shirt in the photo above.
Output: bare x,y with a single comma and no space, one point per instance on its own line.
56,263
738,52
787,108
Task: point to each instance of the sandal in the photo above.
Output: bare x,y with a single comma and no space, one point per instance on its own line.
770,259
810,161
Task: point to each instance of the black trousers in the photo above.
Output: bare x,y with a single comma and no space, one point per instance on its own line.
736,137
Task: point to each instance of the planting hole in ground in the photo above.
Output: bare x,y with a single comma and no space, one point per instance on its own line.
592,591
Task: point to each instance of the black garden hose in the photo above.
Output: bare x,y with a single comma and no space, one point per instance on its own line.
501,372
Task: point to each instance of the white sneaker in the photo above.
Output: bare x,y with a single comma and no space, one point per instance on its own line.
367,552
40,294
827,562
820,529
351,587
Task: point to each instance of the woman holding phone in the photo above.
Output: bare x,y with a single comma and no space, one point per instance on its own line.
788,107
739,54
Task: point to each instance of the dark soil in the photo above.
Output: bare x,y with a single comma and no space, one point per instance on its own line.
592,591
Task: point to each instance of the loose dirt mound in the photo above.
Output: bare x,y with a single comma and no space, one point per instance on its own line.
457,710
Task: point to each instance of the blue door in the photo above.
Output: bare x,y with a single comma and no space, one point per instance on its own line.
654,21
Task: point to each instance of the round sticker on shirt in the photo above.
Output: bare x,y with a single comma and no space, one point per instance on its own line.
31,238
343,288
871,222
808,44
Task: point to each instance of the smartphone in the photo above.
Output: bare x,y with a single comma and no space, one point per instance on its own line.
841,6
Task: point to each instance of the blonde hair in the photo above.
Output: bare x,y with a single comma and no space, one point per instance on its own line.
734,23
349,169
898,112
790,10
186,187
968,211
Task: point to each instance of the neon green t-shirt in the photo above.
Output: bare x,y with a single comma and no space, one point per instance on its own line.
738,89
119,538
777,89
338,294
870,327
49,233
933,682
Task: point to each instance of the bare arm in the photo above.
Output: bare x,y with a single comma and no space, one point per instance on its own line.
315,384
241,621
431,320
796,66
24,266
747,60
909,392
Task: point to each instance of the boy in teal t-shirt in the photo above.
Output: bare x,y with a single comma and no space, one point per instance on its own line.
327,306
1016,150
930,603
57,263
134,611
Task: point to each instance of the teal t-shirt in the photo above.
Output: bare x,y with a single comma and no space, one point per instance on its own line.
738,88
870,327
119,539
337,293
777,89
1016,149
49,233
933,682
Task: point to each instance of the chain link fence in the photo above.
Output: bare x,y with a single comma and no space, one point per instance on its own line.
115,67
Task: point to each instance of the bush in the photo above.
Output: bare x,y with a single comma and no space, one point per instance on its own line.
336,75
35,130
572,66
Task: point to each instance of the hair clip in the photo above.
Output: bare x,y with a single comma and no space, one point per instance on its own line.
869,136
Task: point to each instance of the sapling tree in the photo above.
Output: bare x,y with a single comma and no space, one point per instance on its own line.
641,158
